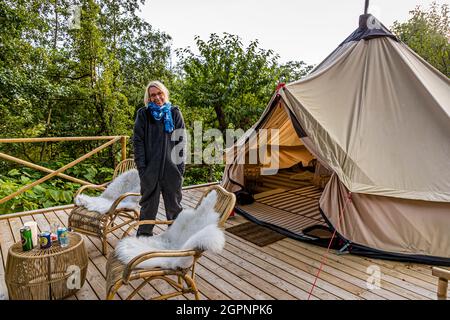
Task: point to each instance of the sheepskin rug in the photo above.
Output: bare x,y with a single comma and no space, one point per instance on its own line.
192,229
126,182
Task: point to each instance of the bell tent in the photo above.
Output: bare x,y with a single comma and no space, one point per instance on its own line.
363,147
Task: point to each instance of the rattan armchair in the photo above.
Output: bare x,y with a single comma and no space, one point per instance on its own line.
181,280
97,224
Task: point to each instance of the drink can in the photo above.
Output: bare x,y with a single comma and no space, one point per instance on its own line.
45,240
53,237
26,238
63,236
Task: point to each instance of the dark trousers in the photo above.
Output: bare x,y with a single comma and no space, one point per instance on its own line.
171,193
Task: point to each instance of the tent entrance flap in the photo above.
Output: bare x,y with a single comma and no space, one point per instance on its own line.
276,142
286,199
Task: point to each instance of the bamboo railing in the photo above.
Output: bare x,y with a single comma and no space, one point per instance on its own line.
69,206
59,172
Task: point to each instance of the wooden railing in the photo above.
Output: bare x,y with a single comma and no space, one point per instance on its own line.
59,172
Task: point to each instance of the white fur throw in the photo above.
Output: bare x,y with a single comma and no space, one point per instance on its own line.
192,229
126,182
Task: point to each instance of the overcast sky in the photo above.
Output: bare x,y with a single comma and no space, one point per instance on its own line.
305,30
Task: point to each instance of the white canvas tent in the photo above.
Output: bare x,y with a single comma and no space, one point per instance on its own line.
378,116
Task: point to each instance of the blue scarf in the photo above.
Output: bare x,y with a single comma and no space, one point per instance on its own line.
164,111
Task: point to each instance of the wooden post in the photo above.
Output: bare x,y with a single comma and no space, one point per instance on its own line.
442,289
123,143
443,277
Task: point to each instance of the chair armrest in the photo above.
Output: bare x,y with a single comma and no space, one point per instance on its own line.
116,202
91,186
139,223
156,254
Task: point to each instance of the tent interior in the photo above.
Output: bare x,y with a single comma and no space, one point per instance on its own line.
286,199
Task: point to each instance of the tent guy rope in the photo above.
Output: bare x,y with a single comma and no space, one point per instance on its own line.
324,256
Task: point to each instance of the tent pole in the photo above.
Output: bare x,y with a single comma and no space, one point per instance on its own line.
366,6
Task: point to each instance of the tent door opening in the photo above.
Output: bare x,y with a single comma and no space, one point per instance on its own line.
288,201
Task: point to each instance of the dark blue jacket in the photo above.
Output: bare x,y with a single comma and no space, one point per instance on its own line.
153,147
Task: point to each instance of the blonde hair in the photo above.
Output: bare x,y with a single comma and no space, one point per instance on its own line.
156,84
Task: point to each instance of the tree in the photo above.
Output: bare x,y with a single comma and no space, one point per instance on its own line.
57,79
294,70
427,33
24,88
228,84
141,53
61,81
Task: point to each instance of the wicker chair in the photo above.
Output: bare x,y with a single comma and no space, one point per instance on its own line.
97,224
182,280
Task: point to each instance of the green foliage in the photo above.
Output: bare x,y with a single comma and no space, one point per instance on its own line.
229,85
203,174
86,81
62,81
427,33
53,192
226,86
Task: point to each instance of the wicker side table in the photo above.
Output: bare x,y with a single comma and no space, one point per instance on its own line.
46,274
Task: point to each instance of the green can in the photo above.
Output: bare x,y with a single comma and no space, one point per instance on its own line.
27,240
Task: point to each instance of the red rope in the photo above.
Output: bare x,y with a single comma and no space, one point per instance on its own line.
323,260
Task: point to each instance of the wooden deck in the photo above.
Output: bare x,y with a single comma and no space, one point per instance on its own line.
243,271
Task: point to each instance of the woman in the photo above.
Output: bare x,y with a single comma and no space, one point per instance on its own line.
160,164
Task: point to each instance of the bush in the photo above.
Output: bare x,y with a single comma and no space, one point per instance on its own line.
53,192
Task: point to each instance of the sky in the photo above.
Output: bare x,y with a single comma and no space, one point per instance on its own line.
296,30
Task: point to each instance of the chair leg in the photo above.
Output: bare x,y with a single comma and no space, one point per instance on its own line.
191,283
104,245
112,292
141,285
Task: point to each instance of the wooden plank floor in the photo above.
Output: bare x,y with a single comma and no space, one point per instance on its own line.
293,209
283,270
281,180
